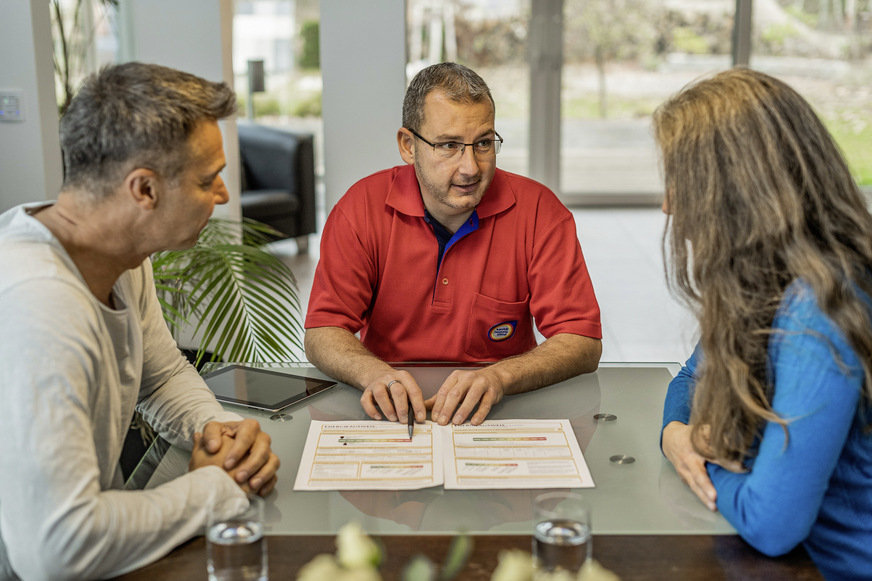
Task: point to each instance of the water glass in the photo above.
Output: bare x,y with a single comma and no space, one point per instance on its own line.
235,545
561,534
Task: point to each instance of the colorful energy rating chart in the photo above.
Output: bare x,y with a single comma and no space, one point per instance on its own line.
370,455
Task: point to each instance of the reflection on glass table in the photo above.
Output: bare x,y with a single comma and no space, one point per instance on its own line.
615,414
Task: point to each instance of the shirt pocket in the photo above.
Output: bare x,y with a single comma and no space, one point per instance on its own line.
498,329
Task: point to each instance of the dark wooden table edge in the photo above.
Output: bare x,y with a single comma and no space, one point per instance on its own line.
632,557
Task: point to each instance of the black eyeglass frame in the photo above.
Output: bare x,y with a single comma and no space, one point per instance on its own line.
498,140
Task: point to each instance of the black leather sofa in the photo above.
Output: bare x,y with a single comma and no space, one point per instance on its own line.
278,180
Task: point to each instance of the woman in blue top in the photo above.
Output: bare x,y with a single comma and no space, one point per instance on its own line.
770,242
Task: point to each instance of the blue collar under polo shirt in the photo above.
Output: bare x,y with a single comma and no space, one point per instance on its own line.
444,236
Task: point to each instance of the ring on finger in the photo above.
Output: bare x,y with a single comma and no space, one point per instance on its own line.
390,383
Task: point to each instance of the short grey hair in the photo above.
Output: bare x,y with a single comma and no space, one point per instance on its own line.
136,115
460,84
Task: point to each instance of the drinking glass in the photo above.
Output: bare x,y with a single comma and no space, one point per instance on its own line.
561,534
236,546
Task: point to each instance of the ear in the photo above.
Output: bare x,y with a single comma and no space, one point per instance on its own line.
667,204
406,143
144,187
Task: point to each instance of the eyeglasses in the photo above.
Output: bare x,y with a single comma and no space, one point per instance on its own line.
451,149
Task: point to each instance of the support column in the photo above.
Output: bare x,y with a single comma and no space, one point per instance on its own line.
546,66
742,33
363,67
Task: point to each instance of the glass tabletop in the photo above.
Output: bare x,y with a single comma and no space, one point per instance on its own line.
615,414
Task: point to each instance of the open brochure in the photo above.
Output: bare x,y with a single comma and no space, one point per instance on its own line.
371,455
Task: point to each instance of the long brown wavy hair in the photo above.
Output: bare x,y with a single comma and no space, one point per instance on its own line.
758,195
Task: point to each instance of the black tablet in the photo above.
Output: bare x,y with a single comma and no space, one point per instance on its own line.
261,388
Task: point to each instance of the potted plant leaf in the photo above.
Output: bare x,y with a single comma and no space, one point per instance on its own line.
240,299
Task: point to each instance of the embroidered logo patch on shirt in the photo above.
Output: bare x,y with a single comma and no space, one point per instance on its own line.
502,331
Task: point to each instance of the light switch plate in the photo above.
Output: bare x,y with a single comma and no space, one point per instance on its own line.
11,105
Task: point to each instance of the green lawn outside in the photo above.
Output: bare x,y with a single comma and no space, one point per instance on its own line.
618,107
857,147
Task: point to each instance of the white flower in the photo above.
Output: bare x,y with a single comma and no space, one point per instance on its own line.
358,556
326,568
363,574
322,568
517,565
514,565
355,549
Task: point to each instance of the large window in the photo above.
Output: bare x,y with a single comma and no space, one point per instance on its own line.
619,60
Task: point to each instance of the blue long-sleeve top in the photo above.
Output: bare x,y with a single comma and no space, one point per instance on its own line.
815,487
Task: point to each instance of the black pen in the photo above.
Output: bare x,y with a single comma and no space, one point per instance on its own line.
411,420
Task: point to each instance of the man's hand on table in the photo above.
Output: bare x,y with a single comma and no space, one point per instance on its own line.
454,402
391,392
461,392
690,465
243,450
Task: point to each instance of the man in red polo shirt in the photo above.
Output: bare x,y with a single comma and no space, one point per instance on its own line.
449,259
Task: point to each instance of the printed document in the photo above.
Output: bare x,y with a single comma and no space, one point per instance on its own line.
498,454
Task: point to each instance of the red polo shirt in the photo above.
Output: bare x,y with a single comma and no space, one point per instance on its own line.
378,272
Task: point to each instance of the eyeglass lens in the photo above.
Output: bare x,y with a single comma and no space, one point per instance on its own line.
453,148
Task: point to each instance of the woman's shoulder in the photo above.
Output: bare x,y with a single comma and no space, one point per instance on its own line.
800,319
800,301
799,297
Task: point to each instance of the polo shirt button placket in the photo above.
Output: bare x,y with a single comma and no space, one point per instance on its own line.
445,281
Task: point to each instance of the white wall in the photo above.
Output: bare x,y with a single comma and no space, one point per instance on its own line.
194,36
30,159
363,66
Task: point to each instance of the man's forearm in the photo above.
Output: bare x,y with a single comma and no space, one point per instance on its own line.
342,356
558,358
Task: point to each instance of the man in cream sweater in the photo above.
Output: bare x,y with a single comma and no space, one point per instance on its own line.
84,344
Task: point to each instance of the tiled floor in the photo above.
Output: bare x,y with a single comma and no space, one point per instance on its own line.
641,321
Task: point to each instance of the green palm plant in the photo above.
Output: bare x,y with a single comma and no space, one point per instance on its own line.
243,298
